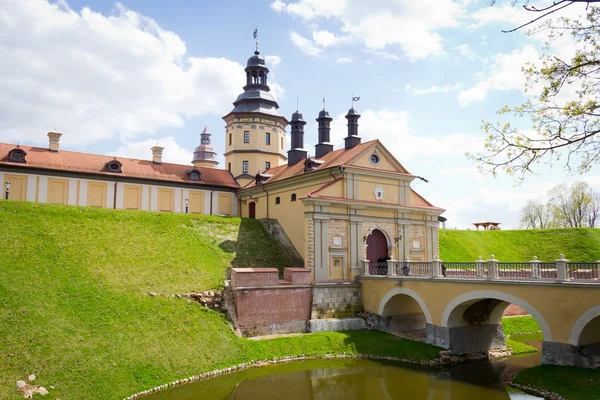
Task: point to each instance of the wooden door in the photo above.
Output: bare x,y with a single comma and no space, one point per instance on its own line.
376,246
252,210
58,191
225,204
165,200
18,187
96,194
337,268
132,197
196,203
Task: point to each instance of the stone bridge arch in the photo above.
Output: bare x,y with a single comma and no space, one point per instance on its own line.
474,320
403,311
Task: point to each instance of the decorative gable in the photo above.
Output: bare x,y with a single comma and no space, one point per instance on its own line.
378,157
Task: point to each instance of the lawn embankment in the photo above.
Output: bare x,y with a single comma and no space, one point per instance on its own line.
569,382
580,244
75,309
518,331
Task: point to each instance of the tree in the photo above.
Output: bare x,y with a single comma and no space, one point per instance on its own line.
574,206
565,127
535,215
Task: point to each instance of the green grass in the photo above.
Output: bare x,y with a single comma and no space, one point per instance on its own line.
569,382
519,330
582,244
75,308
518,345
522,324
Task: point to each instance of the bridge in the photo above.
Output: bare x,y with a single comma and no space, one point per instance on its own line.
459,306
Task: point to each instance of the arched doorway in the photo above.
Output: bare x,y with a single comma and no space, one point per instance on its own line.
252,210
377,253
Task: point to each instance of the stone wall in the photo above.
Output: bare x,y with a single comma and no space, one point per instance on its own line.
336,300
417,234
337,228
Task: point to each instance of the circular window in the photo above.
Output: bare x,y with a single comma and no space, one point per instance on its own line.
374,159
114,167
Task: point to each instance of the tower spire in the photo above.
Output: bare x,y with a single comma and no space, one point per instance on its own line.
256,39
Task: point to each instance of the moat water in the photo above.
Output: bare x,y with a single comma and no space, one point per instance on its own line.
350,379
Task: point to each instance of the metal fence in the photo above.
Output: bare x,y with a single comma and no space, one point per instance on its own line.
413,268
464,269
378,268
514,270
583,271
547,270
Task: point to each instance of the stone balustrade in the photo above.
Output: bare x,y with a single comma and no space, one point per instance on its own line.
559,270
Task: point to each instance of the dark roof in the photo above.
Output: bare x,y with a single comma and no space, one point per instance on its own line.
72,161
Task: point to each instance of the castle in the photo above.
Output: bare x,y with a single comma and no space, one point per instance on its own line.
339,208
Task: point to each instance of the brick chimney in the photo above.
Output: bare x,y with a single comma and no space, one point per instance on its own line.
157,154
54,139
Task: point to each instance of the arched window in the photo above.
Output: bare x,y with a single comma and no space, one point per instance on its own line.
277,200
293,196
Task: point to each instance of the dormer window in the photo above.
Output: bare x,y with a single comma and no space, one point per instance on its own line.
312,164
262,178
193,174
17,155
113,166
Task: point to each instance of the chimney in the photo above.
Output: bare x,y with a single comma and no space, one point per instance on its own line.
297,152
157,154
324,146
352,140
54,138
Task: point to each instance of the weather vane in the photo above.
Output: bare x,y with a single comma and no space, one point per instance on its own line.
256,37
354,99
323,101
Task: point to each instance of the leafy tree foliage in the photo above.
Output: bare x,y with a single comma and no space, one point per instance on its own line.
565,113
574,206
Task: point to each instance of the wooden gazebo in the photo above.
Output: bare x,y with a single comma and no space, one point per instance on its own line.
487,225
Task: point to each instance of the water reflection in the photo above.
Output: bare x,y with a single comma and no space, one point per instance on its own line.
352,379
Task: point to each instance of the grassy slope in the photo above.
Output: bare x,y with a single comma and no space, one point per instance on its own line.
75,309
514,330
581,245
569,382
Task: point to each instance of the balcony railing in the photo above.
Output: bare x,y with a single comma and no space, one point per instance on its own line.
534,270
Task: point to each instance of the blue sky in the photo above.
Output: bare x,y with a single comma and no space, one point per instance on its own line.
115,78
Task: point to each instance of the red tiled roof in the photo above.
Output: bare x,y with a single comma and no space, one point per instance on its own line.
38,157
333,159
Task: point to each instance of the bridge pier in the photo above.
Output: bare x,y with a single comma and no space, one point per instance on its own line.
555,353
467,339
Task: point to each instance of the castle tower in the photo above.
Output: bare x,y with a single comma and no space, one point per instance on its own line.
255,130
205,155
324,146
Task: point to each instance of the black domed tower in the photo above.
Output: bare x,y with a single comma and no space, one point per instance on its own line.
324,146
352,140
255,130
297,152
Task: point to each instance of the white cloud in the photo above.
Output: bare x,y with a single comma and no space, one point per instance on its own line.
413,26
172,153
272,61
94,77
344,60
466,51
324,38
392,128
433,89
305,45
385,55
504,74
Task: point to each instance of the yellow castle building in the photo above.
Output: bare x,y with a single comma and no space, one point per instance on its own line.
343,210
